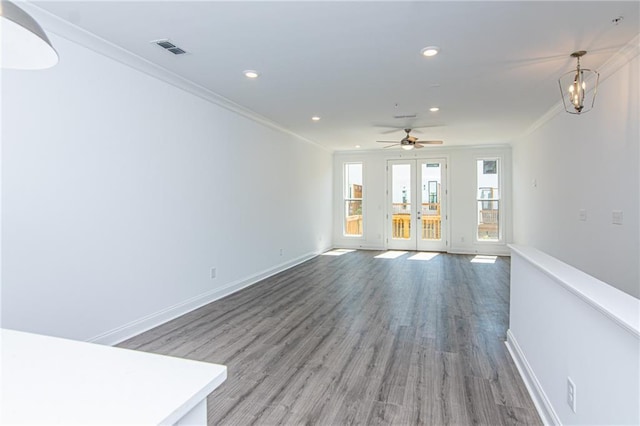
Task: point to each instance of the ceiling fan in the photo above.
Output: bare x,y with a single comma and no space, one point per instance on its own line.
410,142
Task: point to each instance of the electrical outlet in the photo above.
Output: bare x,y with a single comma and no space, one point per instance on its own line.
571,394
213,273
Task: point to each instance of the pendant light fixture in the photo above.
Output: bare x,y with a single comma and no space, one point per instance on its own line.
23,43
577,95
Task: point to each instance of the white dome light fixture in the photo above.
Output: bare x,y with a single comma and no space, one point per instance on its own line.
407,147
24,43
434,109
577,96
430,51
315,118
251,73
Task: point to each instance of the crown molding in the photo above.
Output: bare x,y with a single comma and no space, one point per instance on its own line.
73,33
622,57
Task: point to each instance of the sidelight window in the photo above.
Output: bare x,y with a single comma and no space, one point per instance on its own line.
488,199
353,199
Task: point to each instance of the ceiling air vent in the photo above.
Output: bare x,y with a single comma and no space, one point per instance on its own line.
167,45
176,51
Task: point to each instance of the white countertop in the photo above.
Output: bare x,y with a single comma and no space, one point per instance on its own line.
49,380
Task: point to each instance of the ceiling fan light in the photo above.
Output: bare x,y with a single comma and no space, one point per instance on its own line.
407,147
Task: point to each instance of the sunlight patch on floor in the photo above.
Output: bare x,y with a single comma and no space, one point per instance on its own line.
391,254
484,259
425,255
337,252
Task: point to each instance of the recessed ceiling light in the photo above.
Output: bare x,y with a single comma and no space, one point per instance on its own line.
434,109
251,74
357,146
430,51
315,118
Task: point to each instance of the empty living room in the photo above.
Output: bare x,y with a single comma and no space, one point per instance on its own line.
320,212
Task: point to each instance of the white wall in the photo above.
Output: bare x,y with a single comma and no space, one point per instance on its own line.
588,162
462,228
565,324
120,192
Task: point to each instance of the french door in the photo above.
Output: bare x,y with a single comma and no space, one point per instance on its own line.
416,212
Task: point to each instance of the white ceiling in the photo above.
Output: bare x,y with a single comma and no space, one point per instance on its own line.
352,62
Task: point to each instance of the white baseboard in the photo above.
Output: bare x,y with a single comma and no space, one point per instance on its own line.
126,331
540,399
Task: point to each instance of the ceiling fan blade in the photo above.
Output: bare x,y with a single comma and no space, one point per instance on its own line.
427,126
387,142
391,146
417,145
431,142
394,130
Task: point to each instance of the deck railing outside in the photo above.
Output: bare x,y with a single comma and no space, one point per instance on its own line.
431,221
353,225
488,222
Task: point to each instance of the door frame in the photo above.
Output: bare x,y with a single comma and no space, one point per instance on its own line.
415,243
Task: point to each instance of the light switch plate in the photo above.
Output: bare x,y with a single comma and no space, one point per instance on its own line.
616,217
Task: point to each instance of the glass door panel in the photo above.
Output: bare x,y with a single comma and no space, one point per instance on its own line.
402,213
431,195
430,221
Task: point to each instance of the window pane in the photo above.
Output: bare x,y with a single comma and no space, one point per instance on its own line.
401,199
353,218
353,180
353,199
488,221
488,199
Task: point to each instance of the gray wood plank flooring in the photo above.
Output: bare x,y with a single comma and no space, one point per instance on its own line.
353,339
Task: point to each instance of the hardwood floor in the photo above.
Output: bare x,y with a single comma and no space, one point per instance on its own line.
356,339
